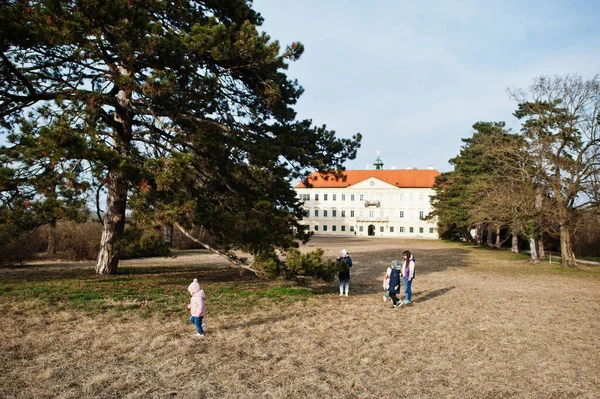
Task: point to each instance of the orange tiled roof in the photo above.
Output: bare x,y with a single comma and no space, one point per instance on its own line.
399,178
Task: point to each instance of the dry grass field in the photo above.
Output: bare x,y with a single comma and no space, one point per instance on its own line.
485,324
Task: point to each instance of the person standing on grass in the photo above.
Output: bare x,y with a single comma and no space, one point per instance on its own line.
386,283
197,306
344,263
408,274
394,283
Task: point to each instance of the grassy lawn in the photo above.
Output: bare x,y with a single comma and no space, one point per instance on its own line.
485,324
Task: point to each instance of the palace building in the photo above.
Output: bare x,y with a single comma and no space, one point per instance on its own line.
377,203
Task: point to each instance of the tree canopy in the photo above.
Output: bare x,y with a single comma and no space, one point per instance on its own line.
181,110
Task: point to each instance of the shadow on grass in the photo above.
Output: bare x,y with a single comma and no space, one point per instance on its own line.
425,296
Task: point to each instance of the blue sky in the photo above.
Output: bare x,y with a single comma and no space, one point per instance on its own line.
414,76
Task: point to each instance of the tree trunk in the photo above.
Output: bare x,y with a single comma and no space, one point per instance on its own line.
533,249
478,235
489,236
168,234
116,203
542,253
51,249
498,243
515,243
566,248
114,224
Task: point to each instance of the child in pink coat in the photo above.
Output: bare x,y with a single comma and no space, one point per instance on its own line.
386,283
197,306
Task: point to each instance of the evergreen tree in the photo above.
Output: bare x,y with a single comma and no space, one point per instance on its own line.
180,109
458,194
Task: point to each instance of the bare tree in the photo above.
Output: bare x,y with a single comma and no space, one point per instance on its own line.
561,118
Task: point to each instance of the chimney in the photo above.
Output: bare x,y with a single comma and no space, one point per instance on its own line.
429,167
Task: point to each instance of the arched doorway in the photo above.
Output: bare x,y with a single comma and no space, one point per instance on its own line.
371,230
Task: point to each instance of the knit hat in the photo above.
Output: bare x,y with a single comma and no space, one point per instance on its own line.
395,264
344,252
194,286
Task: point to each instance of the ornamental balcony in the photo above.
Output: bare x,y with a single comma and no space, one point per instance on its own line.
372,203
373,220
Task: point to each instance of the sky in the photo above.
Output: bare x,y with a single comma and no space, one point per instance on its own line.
414,76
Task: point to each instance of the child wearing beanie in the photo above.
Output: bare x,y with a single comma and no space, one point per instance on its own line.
197,306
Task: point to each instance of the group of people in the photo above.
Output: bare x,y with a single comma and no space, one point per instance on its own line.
396,273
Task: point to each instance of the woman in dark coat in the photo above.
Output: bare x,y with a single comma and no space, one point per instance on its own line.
344,263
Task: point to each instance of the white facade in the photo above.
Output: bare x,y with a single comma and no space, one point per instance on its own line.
369,208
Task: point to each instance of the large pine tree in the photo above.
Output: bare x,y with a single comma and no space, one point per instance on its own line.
181,110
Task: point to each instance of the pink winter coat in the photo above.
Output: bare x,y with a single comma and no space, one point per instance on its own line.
197,304
386,279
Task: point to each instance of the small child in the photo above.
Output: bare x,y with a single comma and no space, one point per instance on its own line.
386,283
197,306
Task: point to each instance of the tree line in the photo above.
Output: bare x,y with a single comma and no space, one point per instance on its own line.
539,183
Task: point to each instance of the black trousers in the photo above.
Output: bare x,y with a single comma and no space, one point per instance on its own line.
394,298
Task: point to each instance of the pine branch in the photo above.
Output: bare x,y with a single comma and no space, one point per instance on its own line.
230,258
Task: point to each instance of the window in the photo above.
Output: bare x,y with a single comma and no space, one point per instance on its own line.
351,197
324,197
343,197
381,229
306,227
360,228
351,228
431,230
316,228
381,198
316,197
401,229
361,197
371,214
305,213
420,197
324,227
381,214
401,214
421,214
360,214
391,229
316,213
305,197
333,213
324,213
401,197
333,227
343,228
351,214
411,229
334,196
421,230
343,213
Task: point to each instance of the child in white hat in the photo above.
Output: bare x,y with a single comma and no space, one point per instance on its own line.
197,306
